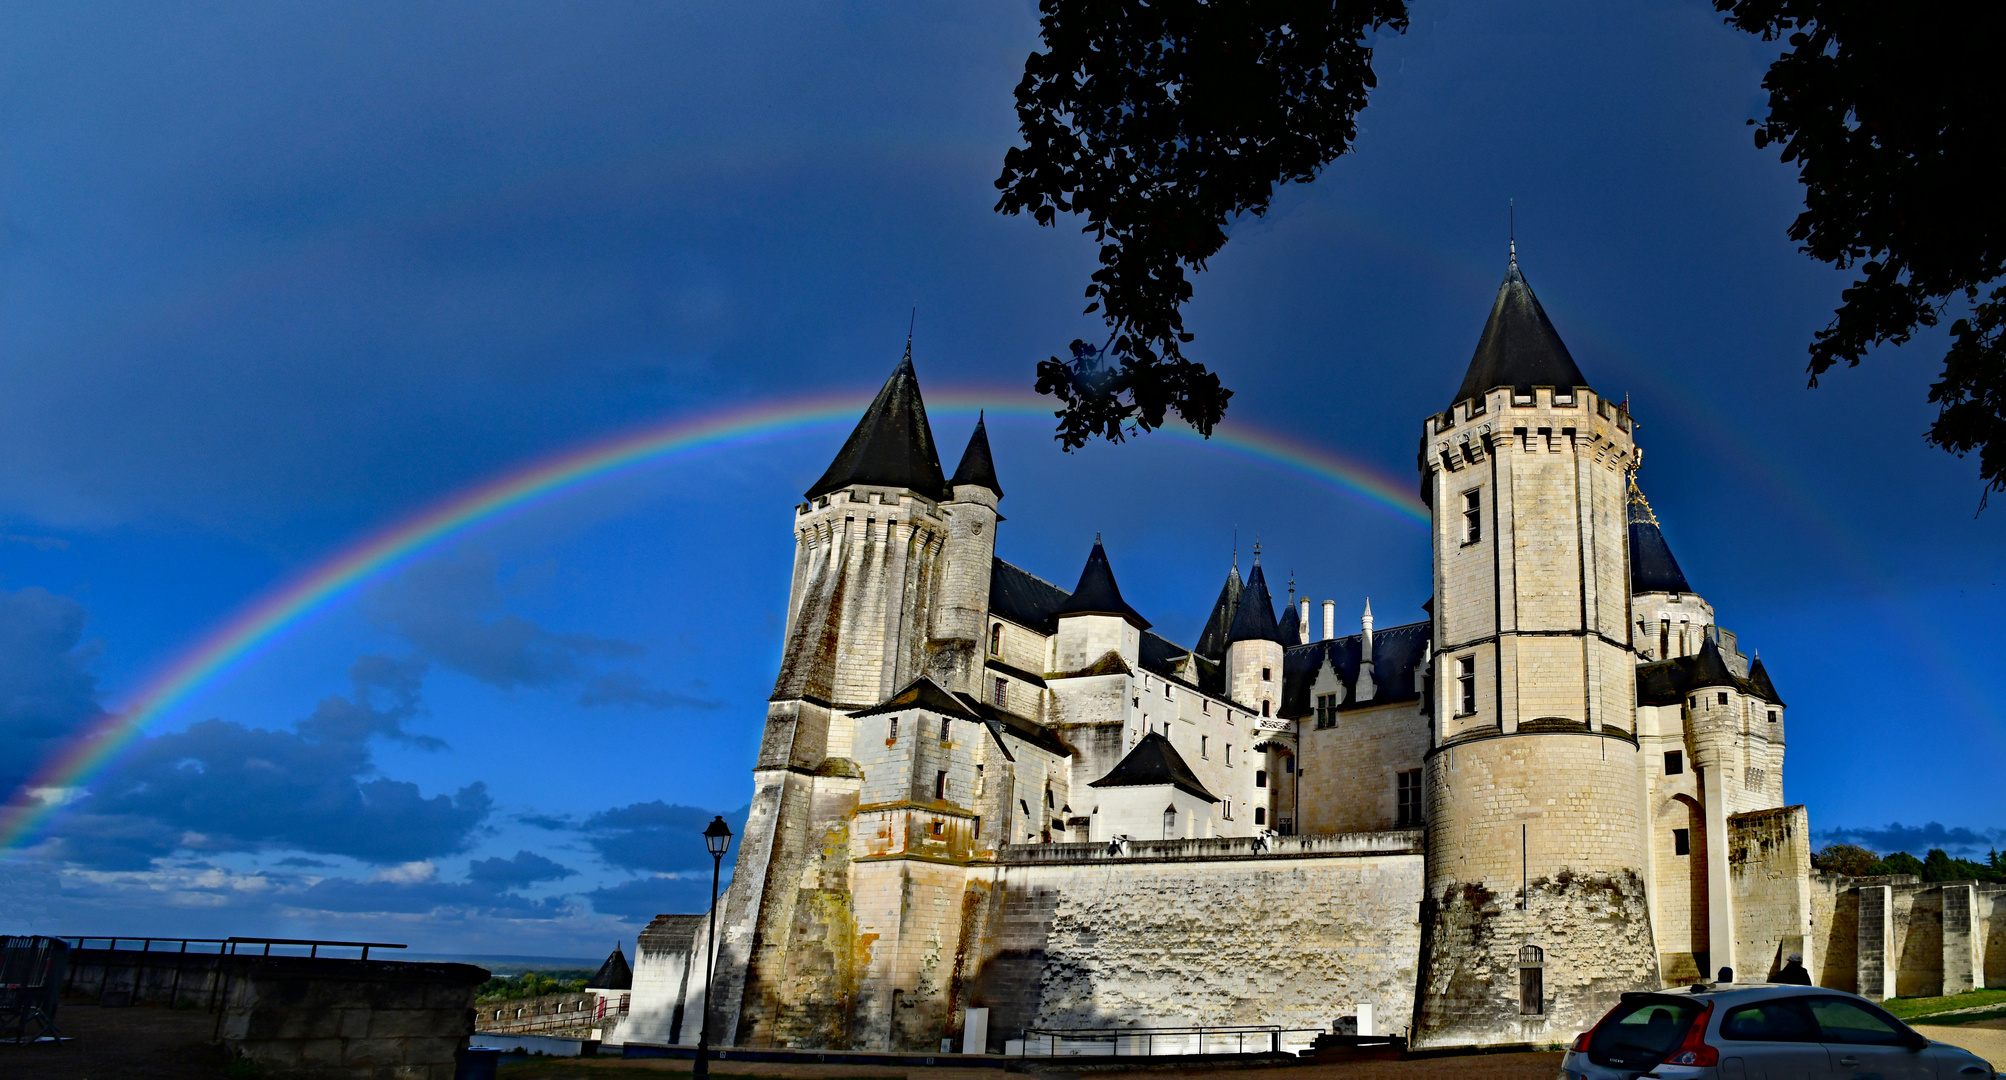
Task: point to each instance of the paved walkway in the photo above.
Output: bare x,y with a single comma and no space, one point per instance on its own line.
1541,1066
1986,1038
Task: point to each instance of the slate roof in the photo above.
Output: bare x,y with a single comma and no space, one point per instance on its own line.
1097,593
1758,677
1255,621
1396,651
1154,762
892,446
1212,642
977,466
1519,346
1291,628
614,974
1652,568
1029,731
922,693
1028,600
1668,682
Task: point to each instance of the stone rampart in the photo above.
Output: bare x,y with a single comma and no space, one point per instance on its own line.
1769,868
348,1019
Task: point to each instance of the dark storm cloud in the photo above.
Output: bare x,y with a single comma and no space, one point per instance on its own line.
644,898
657,836
627,688
1917,839
222,786
301,863
527,868
452,609
46,688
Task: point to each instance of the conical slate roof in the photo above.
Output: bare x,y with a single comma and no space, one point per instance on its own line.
1212,643
892,445
977,467
1255,621
1519,346
614,974
1292,633
1710,668
1154,761
1652,568
1097,594
1758,679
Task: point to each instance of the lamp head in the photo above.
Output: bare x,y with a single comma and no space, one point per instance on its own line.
718,837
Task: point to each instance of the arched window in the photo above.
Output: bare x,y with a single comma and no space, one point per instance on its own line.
1169,822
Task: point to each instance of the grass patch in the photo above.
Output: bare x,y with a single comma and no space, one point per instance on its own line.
1910,1008
1967,1018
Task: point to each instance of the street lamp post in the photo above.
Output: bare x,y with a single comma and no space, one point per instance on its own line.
717,838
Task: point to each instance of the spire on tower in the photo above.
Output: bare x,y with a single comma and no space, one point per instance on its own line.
977,466
1097,593
1652,567
1212,642
1519,346
892,446
1255,621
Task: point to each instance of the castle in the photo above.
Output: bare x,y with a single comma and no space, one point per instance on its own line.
987,808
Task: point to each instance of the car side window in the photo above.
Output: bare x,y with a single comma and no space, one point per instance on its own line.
1784,1020
1843,1021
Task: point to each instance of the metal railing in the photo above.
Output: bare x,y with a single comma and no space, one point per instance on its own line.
1159,1042
222,946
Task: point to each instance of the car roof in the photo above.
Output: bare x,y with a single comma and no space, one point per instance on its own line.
1725,992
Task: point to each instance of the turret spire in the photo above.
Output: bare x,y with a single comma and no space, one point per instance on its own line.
977,466
1519,346
1097,593
1652,567
892,446
1255,621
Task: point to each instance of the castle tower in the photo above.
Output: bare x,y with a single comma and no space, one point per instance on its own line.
1254,648
1667,619
1095,621
960,634
1219,625
868,545
1533,776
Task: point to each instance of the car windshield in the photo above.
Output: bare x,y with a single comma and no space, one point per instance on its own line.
1641,1031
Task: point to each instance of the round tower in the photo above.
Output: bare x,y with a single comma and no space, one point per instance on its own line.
961,637
1254,648
1535,918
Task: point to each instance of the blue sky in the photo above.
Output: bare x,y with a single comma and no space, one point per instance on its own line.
272,277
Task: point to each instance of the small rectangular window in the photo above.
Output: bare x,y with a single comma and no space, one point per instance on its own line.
1205,705
1675,762
940,785
1289,765
996,639
1229,754
1664,639
1682,841
1226,808
1260,815
1693,702
1466,685
981,782
978,826
1267,675
1723,697
894,735
1002,692
1772,716
1409,789
1260,778
939,828
1326,710
1473,517
943,729
1531,991
1204,741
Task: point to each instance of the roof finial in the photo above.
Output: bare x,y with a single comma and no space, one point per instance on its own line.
1097,538
1236,549
1511,228
1257,551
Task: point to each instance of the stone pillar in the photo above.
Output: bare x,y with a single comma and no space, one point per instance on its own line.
1719,883
1876,942
1963,940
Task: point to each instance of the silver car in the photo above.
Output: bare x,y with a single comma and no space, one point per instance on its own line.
1759,1031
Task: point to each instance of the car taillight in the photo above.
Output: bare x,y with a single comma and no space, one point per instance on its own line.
1581,1041
1694,1050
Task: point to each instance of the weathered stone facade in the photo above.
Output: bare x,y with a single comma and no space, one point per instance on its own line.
978,790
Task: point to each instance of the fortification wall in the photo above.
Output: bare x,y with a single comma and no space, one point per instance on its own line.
1193,932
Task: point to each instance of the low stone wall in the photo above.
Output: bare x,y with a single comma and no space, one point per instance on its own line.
348,1019
1897,936
133,977
548,1014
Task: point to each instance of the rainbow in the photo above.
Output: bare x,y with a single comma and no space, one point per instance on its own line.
291,603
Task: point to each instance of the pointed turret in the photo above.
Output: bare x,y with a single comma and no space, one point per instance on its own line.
1097,593
977,467
1255,619
1758,680
1652,568
614,974
1710,667
1212,643
1292,634
892,445
1519,346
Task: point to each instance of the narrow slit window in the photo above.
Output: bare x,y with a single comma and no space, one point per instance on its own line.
1466,685
995,639
894,734
1002,688
940,785
944,732
1473,517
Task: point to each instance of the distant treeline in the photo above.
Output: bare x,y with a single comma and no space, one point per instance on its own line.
1856,861
531,984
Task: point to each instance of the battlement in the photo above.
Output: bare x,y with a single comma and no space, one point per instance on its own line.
1334,845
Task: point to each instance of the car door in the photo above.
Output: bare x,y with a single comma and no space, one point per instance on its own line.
1774,1039
1867,1043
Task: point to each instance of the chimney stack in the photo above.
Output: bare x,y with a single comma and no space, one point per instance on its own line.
1329,619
